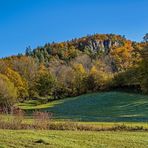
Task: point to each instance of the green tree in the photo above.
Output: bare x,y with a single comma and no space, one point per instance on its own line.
45,82
28,51
144,71
145,38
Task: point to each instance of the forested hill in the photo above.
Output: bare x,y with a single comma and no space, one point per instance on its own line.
88,64
115,52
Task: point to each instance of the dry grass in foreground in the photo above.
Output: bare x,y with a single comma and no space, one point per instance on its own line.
43,121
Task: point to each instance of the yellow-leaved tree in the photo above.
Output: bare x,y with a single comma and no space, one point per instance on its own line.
97,79
18,81
8,92
79,79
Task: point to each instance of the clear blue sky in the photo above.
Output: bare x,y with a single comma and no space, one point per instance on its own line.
36,22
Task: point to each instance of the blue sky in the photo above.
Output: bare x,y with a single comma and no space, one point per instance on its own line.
35,22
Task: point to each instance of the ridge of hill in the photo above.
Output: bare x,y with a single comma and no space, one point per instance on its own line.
115,52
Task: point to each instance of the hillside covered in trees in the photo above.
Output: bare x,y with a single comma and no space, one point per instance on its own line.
98,62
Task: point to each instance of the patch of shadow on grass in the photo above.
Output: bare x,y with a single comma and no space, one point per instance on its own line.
108,106
41,141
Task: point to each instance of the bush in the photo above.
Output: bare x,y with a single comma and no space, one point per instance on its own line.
17,118
41,120
12,121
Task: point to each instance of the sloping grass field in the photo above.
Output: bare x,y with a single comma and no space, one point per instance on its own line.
106,106
72,139
98,110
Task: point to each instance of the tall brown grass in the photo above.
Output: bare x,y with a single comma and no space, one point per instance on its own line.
43,121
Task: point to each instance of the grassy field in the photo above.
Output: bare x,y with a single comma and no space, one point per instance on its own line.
91,110
72,139
106,106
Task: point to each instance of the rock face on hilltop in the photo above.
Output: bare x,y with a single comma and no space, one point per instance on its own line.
100,45
97,43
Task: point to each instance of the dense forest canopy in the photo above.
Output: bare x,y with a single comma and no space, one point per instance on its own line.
93,63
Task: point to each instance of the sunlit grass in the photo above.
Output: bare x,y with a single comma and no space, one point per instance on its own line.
73,139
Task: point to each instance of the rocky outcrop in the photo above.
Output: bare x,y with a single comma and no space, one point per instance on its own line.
100,45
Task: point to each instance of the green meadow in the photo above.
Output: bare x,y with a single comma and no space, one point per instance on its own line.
103,110
102,107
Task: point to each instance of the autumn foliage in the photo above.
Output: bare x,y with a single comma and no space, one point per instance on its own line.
57,70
